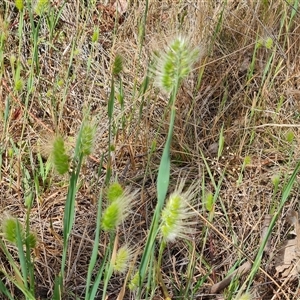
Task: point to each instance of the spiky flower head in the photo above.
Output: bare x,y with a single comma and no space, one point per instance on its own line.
59,156
134,282
175,63
19,4
11,228
117,211
41,6
246,296
95,35
118,65
123,259
87,136
114,191
275,179
177,217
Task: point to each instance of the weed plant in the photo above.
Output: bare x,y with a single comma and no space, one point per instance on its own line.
130,172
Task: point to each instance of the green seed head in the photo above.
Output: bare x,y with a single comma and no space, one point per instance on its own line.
95,35
175,64
247,160
19,84
41,6
123,258
60,158
114,191
112,216
31,240
275,179
118,65
246,296
117,211
19,4
134,282
209,201
10,226
290,136
87,138
176,217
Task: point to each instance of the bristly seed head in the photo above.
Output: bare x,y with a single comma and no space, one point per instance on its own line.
246,296
175,64
41,6
123,258
10,228
177,216
19,4
117,211
88,132
114,191
134,283
59,156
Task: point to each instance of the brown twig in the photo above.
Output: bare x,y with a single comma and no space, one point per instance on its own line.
244,268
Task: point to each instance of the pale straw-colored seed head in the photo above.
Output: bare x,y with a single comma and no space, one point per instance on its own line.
178,217
41,6
245,296
123,259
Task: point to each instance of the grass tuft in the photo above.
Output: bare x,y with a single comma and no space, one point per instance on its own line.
175,163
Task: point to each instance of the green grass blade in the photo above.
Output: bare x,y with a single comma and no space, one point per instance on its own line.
93,259
4,291
99,276
257,261
21,254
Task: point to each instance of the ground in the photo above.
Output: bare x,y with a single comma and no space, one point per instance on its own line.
236,134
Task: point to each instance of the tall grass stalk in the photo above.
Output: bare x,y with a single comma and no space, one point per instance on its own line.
173,66
83,142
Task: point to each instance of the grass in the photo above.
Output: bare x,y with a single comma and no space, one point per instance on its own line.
125,175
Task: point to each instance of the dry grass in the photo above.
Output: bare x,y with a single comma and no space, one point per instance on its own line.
258,105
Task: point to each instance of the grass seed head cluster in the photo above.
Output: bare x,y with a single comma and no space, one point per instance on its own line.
113,226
